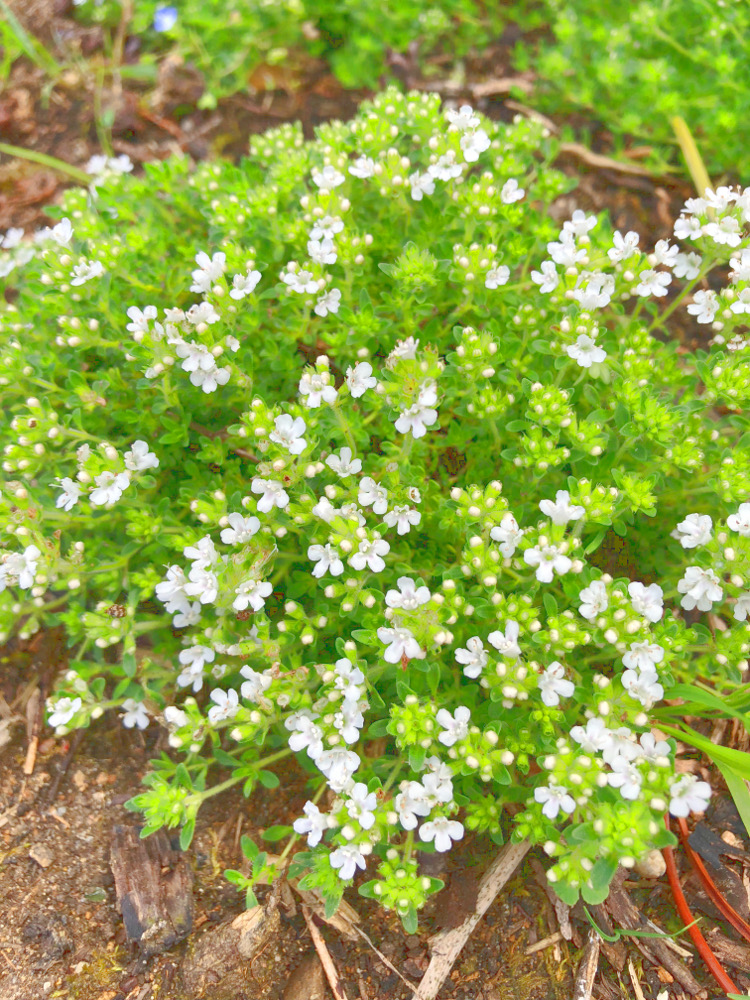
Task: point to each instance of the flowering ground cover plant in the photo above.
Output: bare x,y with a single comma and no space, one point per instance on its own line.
634,67
316,455
229,42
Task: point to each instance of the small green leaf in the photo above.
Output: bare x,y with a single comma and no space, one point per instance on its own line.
274,833
186,834
268,779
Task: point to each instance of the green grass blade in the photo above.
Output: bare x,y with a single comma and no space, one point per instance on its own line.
46,161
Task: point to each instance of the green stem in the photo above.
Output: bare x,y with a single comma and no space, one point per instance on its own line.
46,161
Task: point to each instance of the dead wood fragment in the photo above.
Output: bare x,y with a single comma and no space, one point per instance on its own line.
587,967
334,980
344,920
544,943
307,981
728,952
634,980
614,951
629,917
154,886
447,945
219,952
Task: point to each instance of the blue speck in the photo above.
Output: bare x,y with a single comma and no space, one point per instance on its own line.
165,18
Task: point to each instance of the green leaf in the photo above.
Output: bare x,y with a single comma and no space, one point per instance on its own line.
186,834
739,792
268,779
737,760
235,877
699,697
274,833
249,848
410,920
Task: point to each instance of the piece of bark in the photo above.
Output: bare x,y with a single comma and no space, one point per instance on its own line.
728,952
587,967
614,951
221,952
307,982
629,917
447,945
154,886
344,920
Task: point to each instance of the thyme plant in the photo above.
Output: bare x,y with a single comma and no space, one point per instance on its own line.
356,452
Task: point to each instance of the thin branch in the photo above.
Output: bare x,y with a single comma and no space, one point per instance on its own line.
324,955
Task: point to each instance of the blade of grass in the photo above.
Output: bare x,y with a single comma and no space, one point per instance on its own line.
28,44
46,161
737,760
738,790
693,158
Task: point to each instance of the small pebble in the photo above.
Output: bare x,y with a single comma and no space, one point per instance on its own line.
42,855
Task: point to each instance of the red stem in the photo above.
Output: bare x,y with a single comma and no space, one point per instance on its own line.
714,966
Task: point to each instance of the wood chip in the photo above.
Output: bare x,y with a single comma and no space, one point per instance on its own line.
587,967
447,946
334,980
42,855
307,981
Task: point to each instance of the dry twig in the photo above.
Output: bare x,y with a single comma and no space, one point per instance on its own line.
324,955
587,967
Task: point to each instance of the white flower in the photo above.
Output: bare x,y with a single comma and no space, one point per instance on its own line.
443,831
654,750
688,228
315,388
496,276
252,592
473,144
109,487
742,607
338,765
63,711
507,643
327,559
624,246
594,600
244,284
508,534
585,352
409,596
209,381
193,660
666,254
647,601
328,303
273,494
62,233
511,192
71,493
363,167
704,306
85,270
201,312
416,419
203,584
288,433
171,591
12,238
462,119
404,517
305,734
741,520
421,184
361,805
549,560
302,282
99,164
594,738
349,721
455,727
370,554
400,642
687,266
701,588
322,251
547,278
687,795
740,266
202,554
403,349
553,685
326,228
474,657
210,269
314,823
241,529
725,232
226,707
174,716
253,688
360,379
579,223
566,253
370,493
140,318
554,799
411,802
560,511
741,305
347,859
343,464
445,167
643,687
652,282
643,656
139,458
627,778
594,289
327,178
621,744
414,495
191,615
